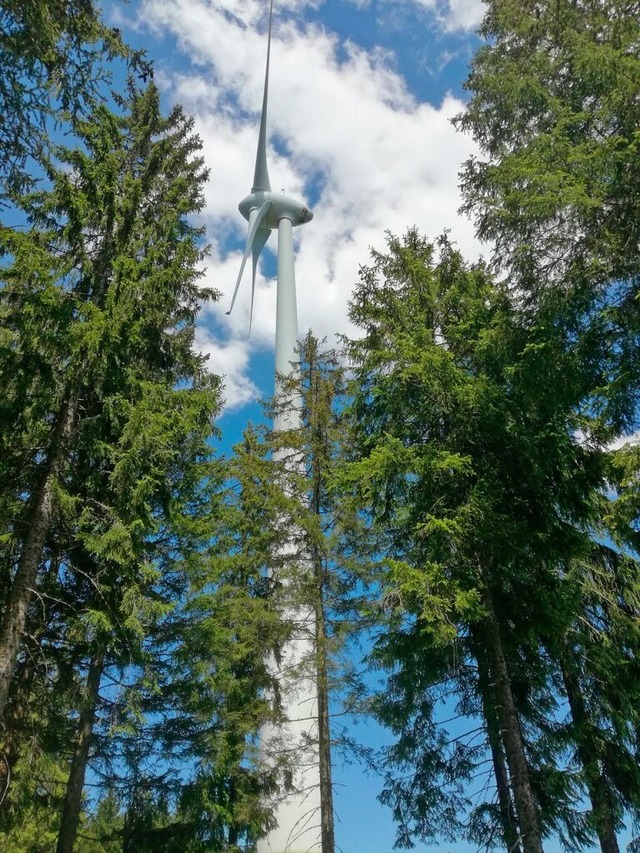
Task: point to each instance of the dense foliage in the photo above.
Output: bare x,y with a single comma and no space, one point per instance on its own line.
56,56
462,497
554,108
491,513
107,477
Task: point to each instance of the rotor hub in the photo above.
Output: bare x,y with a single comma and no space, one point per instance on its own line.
282,207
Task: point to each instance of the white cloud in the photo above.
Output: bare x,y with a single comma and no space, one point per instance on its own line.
625,440
465,15
347,125
451,16
230,359
629,440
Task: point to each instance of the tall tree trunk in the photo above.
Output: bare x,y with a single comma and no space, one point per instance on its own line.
233,836
13,728
601,805
505,800
511,733
9,755
72,805
324,733
15,613
318,413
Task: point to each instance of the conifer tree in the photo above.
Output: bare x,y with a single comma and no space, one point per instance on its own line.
279,488
555,112
55,57
109,442
466,421
331,531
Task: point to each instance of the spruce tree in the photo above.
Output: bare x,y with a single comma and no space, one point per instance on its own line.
466,419
56,58
280,487
555,112
102,292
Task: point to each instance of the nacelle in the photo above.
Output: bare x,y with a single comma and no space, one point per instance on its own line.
282,207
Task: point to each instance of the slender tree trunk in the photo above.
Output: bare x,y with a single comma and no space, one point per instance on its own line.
505,800
72,805
601,805
10,753
233,835
324,733
318,426
13,728
11,747
511,733
15,613
507,813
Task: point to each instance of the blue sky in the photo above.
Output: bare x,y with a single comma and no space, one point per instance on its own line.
359,116
361,98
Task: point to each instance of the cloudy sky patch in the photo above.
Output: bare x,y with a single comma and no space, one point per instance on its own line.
360,107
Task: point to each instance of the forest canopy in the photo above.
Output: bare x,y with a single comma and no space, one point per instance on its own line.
459,496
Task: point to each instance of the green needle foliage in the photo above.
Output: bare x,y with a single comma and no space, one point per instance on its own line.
55,57
556,190
336,552
462,501
283,567
467,418
108,421
554,107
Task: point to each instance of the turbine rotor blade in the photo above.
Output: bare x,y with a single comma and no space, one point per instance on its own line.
261,174
255,219
262,235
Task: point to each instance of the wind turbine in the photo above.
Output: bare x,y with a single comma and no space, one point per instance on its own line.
267,211
297,814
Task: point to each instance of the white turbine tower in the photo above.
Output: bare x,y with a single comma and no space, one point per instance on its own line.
297,814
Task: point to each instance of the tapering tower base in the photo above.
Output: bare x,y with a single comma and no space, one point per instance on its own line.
298,812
